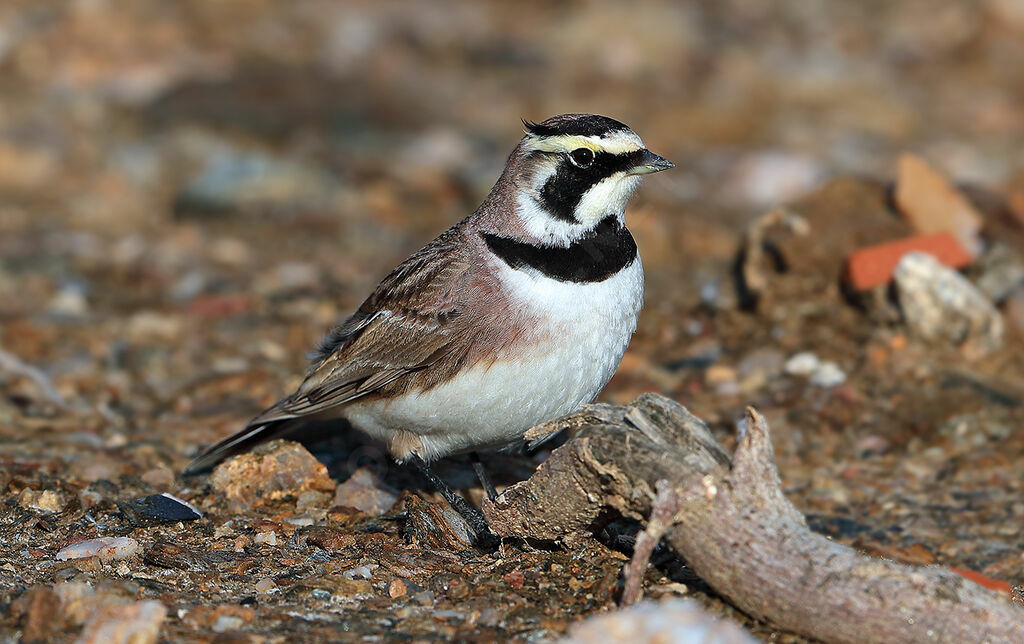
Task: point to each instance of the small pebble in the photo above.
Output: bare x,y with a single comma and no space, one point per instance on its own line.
728,388
1002,272
931,204
148,326
272,351
69,302
161,508
227,623
272,471
45,500
265,585
457,524
106,548
89,498
365,491
802,364
301,520
828,374
772,176
229,364
320,594
759,366
242,542
424,597
673,620
397,588
137,623
162,478
718,374
312,499
940,304
872,444
359,572
516,579
269,538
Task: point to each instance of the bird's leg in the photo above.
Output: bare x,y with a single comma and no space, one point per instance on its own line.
472,514
481,474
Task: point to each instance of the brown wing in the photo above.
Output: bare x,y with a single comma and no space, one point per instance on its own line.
409,323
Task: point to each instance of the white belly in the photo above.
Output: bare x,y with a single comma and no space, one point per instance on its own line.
589,327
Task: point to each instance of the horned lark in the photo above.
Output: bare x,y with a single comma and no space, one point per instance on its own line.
517,314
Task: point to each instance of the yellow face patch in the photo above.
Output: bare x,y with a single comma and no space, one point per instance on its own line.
618,143
562,143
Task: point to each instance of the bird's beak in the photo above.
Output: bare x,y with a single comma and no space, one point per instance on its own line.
650,163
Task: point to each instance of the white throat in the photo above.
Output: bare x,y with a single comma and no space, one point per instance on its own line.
547,229
607,197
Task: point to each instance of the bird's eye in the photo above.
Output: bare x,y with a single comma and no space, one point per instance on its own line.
582,157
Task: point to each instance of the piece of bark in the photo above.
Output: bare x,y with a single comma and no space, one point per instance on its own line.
753,262
585,416
932,204
739,533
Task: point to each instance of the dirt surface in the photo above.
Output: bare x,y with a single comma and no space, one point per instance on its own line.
191,193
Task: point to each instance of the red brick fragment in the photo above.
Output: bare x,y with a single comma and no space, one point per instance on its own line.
872,266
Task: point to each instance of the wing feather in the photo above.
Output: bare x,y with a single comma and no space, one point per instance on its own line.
410,322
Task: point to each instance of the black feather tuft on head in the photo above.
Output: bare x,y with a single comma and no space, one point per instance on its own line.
575,124
529,125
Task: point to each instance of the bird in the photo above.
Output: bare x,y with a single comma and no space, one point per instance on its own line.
517,314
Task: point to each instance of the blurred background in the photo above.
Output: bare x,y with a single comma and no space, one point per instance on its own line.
175,140
193,192
194,189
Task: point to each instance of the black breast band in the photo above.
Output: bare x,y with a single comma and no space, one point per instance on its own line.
594,257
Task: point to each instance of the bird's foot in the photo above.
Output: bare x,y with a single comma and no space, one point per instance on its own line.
481,474
482,535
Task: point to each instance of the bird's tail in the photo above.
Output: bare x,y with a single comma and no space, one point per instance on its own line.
242,441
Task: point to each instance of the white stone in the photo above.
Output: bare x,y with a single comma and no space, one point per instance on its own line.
828,374
106,548
802,364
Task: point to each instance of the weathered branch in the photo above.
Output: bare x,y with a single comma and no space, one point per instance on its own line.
752,253
14,365
737,530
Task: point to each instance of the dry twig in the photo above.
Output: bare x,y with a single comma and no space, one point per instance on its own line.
14,365
663,512
752,253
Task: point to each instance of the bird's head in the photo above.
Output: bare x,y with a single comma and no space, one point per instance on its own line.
574,170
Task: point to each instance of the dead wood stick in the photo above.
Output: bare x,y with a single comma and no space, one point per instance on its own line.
737,530
752,253
663,512
14,365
